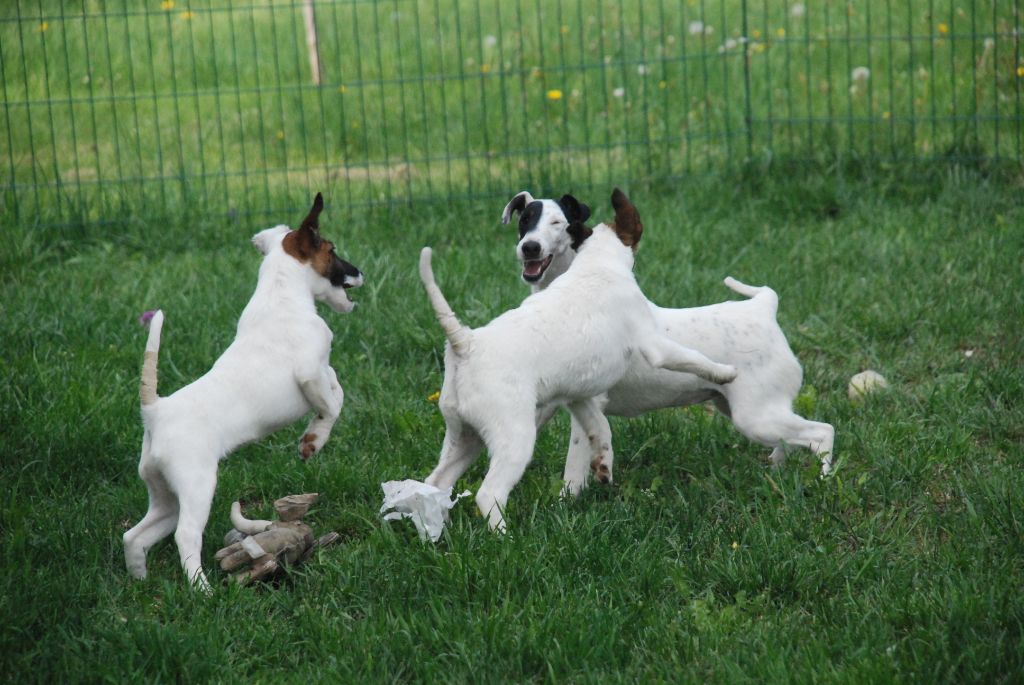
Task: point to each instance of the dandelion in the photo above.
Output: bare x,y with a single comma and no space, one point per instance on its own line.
342,89
860,74
755,34
696,28
797,10
886,115
780,32
485,68
968,353
618,92
280,135
735,545
44,26
563,30
758,48
1020,71
554,94
187,15
434,396
167,5
662,84
943,28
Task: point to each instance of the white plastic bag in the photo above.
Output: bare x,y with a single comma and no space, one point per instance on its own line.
426,505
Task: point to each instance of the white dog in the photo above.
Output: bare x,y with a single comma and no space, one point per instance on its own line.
744,334
564,345
276,370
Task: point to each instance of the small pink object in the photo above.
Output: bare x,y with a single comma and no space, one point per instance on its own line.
145,317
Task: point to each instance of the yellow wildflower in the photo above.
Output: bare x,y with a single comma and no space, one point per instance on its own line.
485,68
434,396
735,545
943,28
780,32
662,84
564,30
167,5
280,135
554,94
755,33
42,27
1020,71
342,89
187,15
886,115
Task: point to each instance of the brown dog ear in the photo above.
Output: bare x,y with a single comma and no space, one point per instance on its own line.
627,220
312,220
303,242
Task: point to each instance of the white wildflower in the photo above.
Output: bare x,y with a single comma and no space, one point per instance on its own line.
860,74
490,41
619,92
696,28
797,10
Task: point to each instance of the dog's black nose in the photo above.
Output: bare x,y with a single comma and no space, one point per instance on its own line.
531,249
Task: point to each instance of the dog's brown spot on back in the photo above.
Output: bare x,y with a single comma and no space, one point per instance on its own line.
627,222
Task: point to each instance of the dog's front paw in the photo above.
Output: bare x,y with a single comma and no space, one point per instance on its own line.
724,373
307,446
602,474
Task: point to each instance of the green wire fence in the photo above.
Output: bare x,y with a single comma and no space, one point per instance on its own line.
250,106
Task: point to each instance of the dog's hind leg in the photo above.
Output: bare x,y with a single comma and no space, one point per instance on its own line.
511,447
590,443
661,352
325,394
460,449
159,522
782,429
195,488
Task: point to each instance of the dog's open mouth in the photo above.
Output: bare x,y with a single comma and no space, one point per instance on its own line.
533,269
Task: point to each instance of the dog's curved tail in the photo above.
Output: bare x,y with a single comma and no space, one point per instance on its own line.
147,385
763,292
458,335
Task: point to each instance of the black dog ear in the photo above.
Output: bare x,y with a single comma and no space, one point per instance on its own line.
312,220
579,233
574,210
516,204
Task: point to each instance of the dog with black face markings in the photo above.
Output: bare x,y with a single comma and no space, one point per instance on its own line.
743,333
275,371
562,346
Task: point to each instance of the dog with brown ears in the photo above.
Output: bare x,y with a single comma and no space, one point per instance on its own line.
564,345
742,333
275,371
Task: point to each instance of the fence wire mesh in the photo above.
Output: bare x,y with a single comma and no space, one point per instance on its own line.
254,104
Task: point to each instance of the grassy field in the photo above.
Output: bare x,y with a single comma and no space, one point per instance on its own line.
191,103
699,565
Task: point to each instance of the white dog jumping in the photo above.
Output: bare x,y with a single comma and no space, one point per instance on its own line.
276,370
564,345
744,334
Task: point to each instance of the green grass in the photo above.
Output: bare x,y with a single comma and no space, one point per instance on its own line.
212,103
699,565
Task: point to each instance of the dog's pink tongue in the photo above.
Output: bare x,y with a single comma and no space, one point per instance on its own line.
532,267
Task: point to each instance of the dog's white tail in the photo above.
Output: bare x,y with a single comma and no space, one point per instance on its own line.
147,386
764,292
458,335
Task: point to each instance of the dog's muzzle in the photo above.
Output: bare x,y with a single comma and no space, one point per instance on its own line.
533,269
